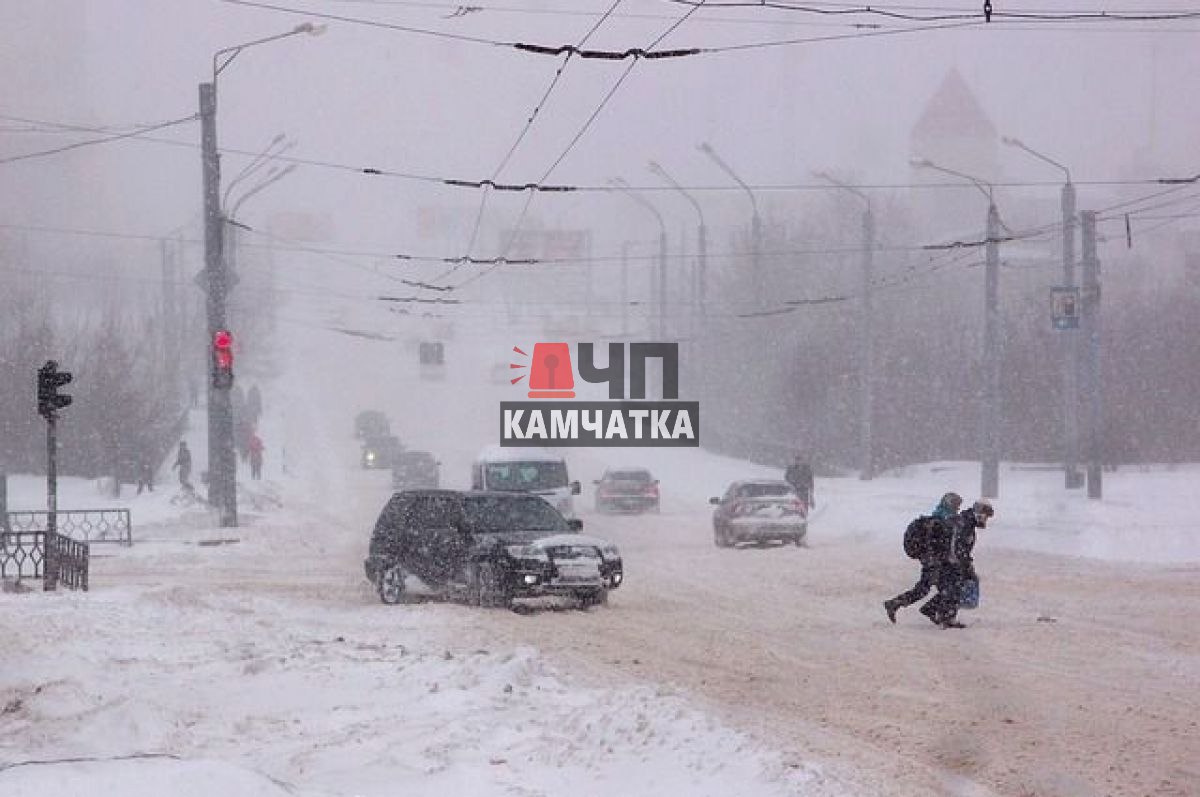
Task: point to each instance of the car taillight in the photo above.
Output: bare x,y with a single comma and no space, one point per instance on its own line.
652,490
800,506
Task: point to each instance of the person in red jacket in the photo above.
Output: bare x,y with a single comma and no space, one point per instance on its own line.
256,456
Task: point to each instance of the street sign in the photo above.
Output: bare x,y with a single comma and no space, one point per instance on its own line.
1064,307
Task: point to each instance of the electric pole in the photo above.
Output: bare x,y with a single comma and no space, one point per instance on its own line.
222,464
990,471
866,357
1091,327
662,285
624,289
1071,475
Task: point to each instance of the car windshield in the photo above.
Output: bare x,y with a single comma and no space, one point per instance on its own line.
494,514
640,476
418,460
763,490
522,476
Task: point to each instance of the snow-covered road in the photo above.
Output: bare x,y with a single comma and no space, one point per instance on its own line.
269,665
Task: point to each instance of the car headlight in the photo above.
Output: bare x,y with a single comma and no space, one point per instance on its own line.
370,456
610,552
527,552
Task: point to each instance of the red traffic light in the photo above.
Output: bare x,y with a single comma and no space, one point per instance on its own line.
222,373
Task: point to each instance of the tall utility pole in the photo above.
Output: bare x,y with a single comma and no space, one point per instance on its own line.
624,289
1070,340
1071,476
1095,385
755,221
222,461
660,298
989,443
990,475
866,332
698,274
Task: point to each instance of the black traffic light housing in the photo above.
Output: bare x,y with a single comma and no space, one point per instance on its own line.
222,359
50,379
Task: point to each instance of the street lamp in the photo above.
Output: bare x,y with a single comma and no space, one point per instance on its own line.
755,220
699,288
865,331
1070,353
222,462
990,455
619,183
277,146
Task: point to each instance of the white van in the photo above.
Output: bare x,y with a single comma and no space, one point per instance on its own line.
526,470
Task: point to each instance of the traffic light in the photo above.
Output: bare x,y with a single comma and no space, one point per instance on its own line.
222,362
50,379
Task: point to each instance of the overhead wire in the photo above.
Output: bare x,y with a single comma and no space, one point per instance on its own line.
576,139
840,9
104,140
529,122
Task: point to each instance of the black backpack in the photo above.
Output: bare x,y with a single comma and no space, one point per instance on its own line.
917,537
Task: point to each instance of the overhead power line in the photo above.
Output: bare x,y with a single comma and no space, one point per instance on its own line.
844,10
105,140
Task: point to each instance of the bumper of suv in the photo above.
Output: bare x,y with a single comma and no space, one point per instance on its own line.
532,578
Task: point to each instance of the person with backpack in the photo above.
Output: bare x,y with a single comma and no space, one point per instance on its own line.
958,566
926,539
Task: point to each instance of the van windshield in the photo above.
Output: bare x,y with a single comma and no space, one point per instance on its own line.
524,476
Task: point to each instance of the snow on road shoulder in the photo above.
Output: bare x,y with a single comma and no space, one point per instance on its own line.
332,699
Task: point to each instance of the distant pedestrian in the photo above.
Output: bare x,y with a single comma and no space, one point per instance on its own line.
145,472
256,456
800,475
183,463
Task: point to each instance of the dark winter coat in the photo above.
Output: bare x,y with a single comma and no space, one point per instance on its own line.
800,476
963,542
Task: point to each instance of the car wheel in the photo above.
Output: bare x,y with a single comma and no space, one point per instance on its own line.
391,585
801,539
597,598
490,588
719,537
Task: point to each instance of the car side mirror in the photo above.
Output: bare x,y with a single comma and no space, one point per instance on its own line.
575,524
714,501
656,481
575,488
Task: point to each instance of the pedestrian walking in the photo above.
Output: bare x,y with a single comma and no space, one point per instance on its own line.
145,472
256,456
800,475
926,540
958,568
183,463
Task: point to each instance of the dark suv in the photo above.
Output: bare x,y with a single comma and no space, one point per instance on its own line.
489,548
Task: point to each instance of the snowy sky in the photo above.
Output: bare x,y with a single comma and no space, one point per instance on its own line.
1106,98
